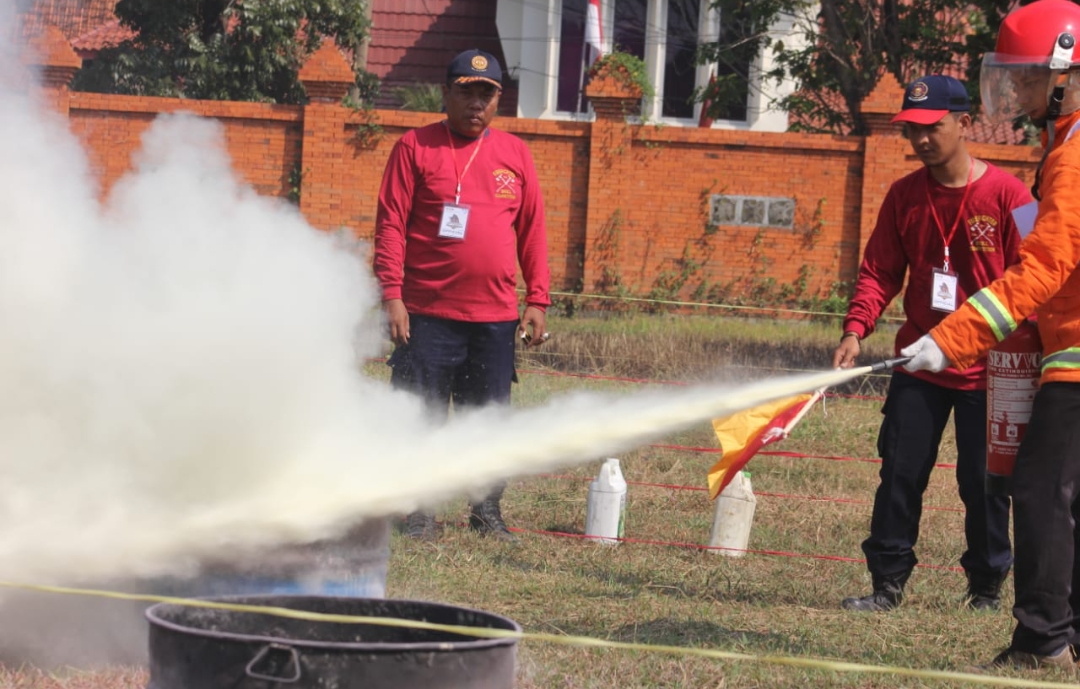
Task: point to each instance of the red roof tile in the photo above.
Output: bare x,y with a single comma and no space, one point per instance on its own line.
414,40
107,35
73,17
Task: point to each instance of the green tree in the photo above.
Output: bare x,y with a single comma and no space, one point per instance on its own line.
838,50
249,50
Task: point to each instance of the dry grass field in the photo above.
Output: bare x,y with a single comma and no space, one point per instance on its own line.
778,605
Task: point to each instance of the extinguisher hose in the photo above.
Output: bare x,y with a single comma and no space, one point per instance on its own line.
887,364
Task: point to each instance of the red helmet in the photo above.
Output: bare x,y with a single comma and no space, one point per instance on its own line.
1033,31
1034,42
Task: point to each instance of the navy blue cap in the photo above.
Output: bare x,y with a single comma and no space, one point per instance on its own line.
474,65
930,98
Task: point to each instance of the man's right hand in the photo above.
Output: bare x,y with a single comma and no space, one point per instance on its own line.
925,355
397,316
844,355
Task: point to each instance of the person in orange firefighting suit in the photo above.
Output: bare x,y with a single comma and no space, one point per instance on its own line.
1035,71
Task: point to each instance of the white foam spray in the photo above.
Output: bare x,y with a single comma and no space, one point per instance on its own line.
179,371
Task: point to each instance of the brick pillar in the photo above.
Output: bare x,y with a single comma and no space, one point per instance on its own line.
326,77
884,153
610,169
49,52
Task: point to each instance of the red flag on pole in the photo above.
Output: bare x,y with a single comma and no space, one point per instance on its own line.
594,36
704,120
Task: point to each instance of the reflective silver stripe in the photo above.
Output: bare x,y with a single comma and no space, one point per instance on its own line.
995,315
1066,358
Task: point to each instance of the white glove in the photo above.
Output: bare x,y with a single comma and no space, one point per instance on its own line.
925,356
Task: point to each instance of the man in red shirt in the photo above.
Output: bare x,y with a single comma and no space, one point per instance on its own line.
948,229
459,209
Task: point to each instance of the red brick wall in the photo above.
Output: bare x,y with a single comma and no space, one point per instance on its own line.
665,206
264,141
625,203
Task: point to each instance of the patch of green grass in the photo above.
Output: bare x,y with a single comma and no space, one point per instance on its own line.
690,348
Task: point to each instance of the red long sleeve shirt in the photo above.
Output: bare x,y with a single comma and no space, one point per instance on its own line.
908,241
474,278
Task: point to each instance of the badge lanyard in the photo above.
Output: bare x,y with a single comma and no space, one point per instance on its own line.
453,154
945,286
455,216
959,213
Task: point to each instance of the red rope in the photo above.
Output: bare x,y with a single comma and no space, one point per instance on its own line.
786,496
698,546
783,453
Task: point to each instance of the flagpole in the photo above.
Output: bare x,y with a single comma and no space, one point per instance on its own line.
581,79
818,394
592,45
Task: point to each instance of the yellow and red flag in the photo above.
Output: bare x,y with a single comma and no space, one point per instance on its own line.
742,435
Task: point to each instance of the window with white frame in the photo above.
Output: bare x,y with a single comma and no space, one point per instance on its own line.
663,33
569,97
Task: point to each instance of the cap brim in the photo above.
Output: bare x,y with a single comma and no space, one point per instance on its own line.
920,116
473,80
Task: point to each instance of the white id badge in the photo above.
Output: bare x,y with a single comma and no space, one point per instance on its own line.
943,297
455,218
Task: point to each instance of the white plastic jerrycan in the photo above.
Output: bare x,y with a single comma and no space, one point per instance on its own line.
605,507
733,517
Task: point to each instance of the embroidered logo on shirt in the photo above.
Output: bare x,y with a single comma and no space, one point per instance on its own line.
505,184
982,232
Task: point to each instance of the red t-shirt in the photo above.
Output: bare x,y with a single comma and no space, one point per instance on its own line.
472,278
908,241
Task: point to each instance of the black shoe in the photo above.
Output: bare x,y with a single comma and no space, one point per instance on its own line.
421,527
983,603
886,596
984,593
486,518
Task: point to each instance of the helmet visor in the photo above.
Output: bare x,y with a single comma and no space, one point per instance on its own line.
1012,86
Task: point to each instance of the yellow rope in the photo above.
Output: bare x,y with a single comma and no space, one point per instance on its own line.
709,305
581,641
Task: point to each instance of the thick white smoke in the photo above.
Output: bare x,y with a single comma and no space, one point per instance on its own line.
179,370
180,378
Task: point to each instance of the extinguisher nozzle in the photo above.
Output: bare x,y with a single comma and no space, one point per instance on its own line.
889,363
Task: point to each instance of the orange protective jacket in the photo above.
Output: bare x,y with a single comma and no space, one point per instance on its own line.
1045,281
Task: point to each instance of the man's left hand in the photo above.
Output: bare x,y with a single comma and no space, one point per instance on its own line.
533,328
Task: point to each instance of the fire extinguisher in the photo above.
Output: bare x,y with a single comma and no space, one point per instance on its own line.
1012,378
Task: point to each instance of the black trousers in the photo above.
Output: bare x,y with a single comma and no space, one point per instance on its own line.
915,415
1045,489
470,364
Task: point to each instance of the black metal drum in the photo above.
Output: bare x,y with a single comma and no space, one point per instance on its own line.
206,648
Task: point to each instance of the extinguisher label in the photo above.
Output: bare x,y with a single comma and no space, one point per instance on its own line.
1014,363
1011,386
1012,379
